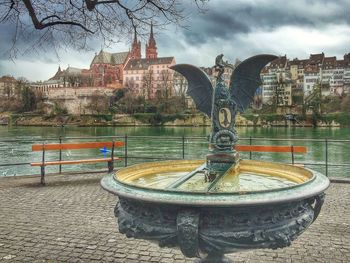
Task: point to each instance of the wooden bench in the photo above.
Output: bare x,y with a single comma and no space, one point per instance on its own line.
75,146
267,148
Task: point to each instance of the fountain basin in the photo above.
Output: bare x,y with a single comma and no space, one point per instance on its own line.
216,220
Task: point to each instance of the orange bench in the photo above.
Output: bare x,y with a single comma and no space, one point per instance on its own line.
75,146
267,148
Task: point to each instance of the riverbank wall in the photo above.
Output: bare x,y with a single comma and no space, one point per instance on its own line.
156,119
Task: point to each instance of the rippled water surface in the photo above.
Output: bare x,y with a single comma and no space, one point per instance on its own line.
238,183
19,151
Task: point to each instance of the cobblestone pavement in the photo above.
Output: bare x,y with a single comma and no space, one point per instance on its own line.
71,220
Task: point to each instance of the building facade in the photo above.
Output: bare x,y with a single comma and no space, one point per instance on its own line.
277,82
149,77
285,77
7,86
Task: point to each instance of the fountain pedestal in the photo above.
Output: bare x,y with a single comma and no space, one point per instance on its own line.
214,222
204,207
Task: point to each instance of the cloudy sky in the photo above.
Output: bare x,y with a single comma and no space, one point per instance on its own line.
236,28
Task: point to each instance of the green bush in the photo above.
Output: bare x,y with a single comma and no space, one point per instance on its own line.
157,118
264,117
343,118
106,117
113,109
59,110
150,109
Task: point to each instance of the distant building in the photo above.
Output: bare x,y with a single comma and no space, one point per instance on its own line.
296,68
149,77
277,83
328,68
311,77
7,86
70,77
106,70
151,47
332,76
336,81
346,76
269,86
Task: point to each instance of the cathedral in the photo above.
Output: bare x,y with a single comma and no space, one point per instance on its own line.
119,70
148,77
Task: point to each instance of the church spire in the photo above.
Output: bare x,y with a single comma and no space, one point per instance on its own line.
135,37
151,47
151,36
135,52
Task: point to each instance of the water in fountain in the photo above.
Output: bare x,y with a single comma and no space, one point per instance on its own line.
241,182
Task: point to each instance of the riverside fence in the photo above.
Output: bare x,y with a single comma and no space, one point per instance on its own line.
328,156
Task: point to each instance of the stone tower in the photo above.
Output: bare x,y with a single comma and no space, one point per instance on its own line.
135,52
151,47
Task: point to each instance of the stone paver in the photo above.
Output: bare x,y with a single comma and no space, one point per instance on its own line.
71,220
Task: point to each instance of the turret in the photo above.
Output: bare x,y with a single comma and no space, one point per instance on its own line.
151,47
135,52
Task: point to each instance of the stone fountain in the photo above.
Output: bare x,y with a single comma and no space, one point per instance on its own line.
222,204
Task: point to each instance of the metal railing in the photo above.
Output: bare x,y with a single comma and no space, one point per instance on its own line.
183,142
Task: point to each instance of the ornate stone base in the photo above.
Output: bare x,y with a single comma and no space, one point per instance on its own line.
217,230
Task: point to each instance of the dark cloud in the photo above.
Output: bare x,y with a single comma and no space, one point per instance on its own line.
25,42
227,19
236,28
22,45
215,25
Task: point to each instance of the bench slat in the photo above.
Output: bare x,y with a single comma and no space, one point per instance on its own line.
100,160
75,146
265,148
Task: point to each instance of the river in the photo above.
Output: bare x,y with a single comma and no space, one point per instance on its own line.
16,141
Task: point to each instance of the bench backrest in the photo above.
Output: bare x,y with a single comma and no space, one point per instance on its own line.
265,148
76,146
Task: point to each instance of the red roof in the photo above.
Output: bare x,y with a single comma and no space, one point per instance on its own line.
316,58
279,62
311,69
329,62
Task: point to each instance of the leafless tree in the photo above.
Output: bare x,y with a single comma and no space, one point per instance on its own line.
166,83
130,85
180,84
87,80
56,23
180,87
147,84
74,80
99,102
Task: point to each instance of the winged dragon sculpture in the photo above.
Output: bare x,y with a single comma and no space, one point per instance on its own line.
223,103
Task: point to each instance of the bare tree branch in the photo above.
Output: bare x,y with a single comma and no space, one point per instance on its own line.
40,25
12,5
73,23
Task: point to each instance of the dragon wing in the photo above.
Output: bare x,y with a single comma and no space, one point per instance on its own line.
199,86
245,79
